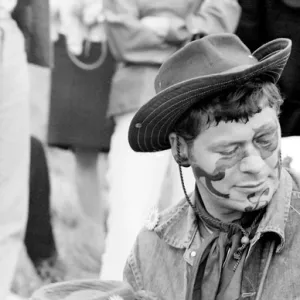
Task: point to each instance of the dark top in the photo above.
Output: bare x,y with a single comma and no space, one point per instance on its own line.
265,20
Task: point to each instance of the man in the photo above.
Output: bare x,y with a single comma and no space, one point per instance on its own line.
237,235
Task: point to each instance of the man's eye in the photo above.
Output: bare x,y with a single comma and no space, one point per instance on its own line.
264,143
229,152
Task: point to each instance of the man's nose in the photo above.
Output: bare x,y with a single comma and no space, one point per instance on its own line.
252,164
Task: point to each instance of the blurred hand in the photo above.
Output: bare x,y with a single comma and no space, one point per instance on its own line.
54,19
72,26
160,25
92,11
93,17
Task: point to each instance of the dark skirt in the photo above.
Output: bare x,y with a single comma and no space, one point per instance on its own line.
79,101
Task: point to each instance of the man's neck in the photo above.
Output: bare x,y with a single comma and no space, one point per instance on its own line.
218,212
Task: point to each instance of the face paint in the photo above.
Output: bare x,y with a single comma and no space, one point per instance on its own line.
219,173
267,144
216,156
251,197
257,202
266,139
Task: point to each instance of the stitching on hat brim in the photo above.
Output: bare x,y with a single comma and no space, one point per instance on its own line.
238,76
173,120
267,66
270,51
213,89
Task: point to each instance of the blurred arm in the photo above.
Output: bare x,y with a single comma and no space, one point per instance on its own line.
215,16
208,17
130,39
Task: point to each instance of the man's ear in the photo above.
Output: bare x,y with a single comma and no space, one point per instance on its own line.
179,149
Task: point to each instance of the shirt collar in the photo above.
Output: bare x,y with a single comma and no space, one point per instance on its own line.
178,225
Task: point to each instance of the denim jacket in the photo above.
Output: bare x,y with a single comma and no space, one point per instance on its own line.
163,259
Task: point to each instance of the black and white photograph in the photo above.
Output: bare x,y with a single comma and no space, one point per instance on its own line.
150,149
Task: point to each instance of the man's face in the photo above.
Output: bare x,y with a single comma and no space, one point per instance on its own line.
236,164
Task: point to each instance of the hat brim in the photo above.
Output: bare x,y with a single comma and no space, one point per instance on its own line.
150,128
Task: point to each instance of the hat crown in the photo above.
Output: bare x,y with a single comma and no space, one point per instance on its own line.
213,54
202,70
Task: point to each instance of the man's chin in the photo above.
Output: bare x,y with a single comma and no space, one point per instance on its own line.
252,202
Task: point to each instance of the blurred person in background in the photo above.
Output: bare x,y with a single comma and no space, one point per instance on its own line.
33,18
141,35
24,37
14,144
81,79
269,20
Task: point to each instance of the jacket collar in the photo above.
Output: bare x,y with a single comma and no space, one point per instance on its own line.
178,225
276,216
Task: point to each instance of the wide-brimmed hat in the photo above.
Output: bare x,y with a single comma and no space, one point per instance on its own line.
90,290
200,70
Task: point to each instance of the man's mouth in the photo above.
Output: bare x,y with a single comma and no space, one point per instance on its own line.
252,186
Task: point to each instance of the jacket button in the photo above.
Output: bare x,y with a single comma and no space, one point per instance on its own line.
193,253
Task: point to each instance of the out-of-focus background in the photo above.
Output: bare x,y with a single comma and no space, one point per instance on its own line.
100,59
80,256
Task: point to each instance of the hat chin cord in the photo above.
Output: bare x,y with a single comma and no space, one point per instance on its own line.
180,160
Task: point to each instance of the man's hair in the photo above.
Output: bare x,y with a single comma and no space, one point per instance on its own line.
236,105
